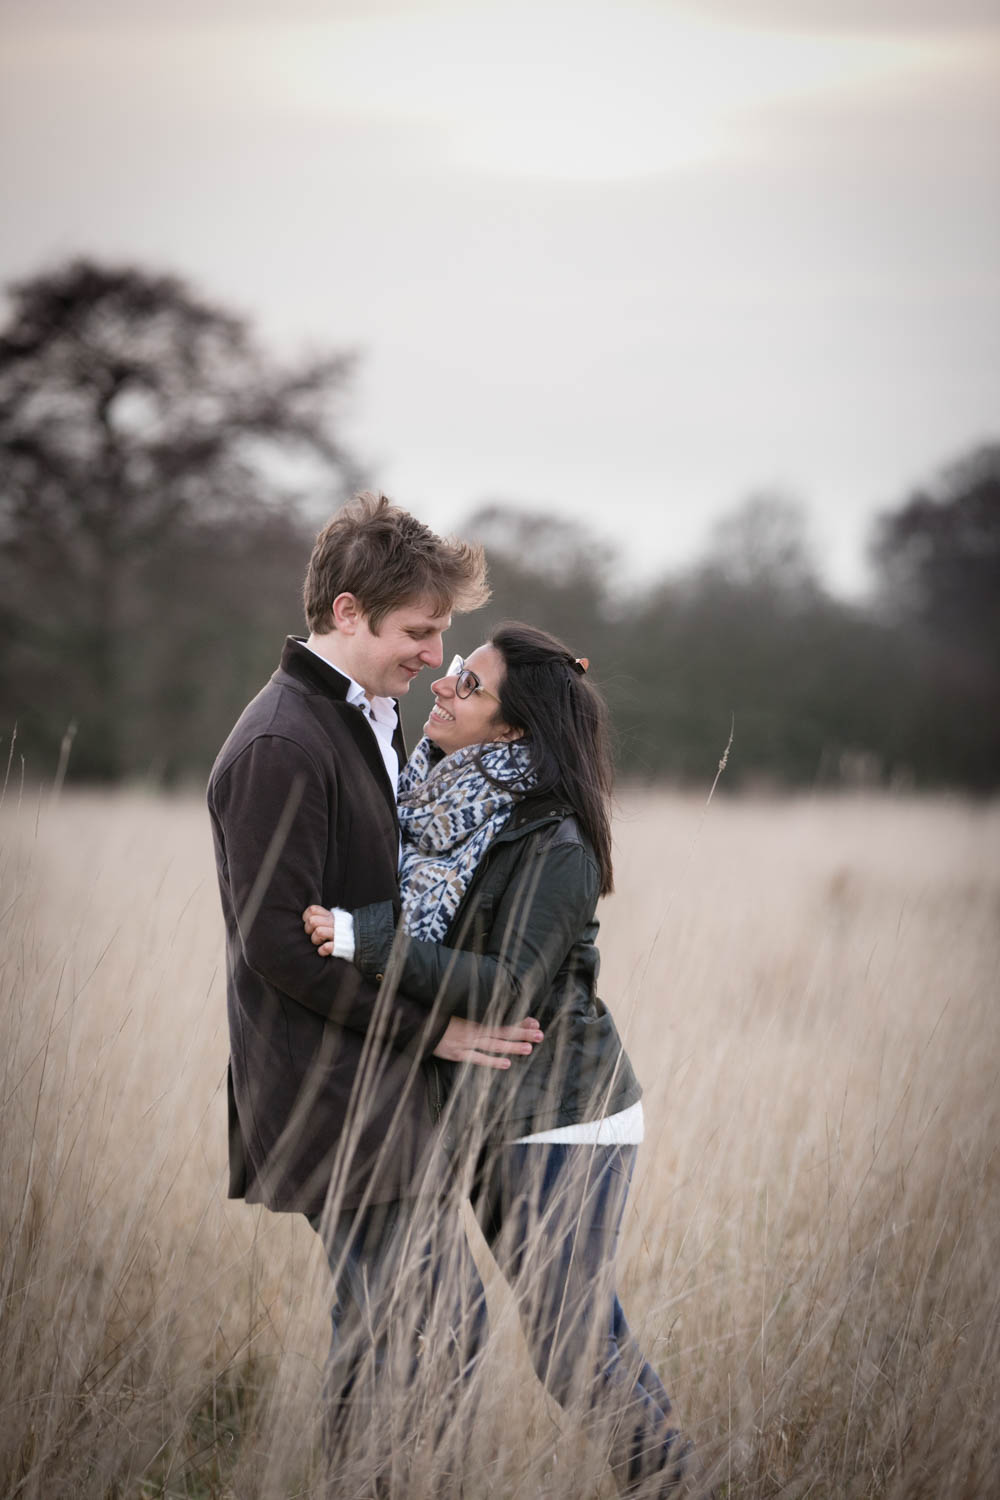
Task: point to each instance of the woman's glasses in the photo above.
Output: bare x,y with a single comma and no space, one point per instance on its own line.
466,681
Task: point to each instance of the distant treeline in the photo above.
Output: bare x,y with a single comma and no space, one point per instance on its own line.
161,480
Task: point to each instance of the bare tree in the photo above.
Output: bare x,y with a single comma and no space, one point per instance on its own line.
764,545
139,424
939,556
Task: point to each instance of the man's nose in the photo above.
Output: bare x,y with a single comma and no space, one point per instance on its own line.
432,651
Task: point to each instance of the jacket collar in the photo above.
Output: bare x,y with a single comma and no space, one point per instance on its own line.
312,671
305,672
540,807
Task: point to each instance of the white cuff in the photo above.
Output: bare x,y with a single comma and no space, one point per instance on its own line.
343,934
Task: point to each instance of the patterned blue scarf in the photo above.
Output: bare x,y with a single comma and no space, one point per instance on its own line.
449,814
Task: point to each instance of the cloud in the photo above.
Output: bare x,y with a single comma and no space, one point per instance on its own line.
622,92
793,15
860,16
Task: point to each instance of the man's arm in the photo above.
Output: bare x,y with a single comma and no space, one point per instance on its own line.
273,807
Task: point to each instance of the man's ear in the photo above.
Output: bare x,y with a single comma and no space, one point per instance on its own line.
346,614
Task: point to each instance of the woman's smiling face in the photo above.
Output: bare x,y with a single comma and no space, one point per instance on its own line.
455,722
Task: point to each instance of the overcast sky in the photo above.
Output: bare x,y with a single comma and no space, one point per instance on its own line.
625,261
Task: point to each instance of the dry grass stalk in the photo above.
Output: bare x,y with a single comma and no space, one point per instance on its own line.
812,1236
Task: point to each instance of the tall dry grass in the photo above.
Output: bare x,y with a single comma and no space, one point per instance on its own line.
809,991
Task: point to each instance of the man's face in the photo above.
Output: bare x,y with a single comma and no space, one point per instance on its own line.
408,639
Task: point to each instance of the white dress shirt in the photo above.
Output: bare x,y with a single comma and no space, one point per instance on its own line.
383,718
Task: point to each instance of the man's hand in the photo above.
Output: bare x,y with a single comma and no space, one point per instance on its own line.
318,923
474,1042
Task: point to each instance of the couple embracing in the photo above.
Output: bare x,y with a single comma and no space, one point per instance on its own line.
411,984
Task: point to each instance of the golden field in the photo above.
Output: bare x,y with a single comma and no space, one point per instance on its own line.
810,992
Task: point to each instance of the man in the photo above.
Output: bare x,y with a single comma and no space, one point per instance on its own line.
328,1112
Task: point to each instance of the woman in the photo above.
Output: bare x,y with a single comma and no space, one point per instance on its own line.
504,812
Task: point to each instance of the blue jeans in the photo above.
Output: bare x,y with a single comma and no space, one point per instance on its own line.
552,1216
403,1275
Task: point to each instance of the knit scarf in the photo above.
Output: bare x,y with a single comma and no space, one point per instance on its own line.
449,814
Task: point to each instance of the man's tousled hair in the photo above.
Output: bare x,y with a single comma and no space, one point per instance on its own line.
386,558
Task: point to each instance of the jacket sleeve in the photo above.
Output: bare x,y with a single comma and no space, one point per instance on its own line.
535,924
273,806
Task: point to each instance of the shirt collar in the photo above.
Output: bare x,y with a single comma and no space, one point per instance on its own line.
383,711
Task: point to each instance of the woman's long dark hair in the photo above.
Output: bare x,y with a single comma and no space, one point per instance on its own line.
564,720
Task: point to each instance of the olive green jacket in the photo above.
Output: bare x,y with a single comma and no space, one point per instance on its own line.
522,943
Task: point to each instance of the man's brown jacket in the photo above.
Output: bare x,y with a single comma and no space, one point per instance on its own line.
325,1082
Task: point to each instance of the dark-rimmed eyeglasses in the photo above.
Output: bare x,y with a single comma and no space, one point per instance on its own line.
466,681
